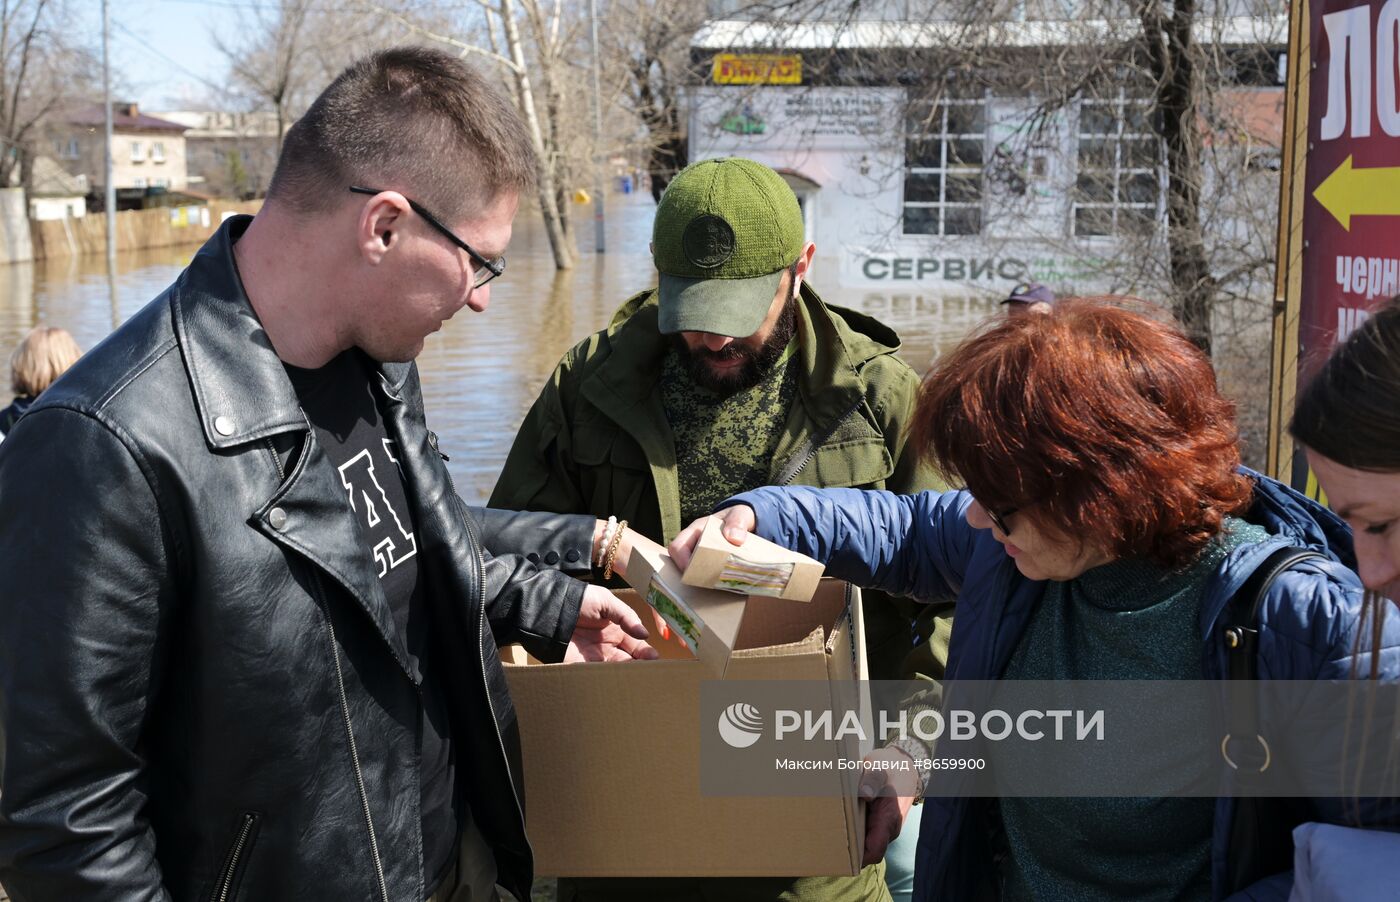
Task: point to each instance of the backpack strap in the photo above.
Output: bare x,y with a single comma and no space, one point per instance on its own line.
1242,613
1260,840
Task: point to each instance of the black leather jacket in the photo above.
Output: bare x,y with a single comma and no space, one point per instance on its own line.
202,692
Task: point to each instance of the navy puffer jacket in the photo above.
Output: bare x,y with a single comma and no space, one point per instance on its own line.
922,546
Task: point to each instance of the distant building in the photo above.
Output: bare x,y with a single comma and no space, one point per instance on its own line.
230,154
917,174
148,154
54,192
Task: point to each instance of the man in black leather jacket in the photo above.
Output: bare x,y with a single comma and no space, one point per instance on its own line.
248,631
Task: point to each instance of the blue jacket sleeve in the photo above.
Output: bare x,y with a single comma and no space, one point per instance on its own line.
913,545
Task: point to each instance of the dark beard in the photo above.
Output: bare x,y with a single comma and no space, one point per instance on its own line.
757,363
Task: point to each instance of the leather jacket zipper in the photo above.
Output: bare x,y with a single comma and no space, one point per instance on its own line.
355,762
276,460
235,855
480,563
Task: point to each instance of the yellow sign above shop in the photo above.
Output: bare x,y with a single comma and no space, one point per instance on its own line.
756,69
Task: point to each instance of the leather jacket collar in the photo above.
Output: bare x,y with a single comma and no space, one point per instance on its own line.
240,385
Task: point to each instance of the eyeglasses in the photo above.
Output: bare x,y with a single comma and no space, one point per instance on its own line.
485,270
999,519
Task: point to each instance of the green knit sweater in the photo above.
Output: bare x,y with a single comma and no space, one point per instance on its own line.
1127,620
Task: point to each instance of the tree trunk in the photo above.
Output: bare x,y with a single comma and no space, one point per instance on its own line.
669,149
546,188
1174,66
26,168
8,162
554,106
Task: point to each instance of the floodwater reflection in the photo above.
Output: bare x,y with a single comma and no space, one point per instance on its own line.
482,371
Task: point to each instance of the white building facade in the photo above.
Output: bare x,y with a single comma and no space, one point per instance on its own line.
962,190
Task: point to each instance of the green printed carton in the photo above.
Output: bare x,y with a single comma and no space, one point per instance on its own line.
706,620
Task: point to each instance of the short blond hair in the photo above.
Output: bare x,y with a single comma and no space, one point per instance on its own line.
40,358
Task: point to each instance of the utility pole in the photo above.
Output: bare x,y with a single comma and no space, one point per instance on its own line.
598,164
110,190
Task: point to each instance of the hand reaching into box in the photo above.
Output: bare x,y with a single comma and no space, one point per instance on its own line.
607,630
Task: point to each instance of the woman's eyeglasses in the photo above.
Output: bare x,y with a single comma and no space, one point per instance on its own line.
999,519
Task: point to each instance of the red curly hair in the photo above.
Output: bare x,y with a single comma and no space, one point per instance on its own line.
1104,424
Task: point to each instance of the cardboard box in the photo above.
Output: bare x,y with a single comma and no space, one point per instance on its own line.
612,755
758,567
706,620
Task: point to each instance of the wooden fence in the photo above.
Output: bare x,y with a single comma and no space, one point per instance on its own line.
136,229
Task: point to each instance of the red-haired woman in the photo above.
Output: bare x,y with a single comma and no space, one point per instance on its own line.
1105,527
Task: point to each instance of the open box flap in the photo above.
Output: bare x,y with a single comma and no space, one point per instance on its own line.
848,672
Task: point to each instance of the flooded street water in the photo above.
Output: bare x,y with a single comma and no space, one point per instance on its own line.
482,371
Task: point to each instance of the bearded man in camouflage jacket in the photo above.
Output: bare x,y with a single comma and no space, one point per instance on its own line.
732,374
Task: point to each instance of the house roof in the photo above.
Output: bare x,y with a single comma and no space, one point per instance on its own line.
121,118
52,180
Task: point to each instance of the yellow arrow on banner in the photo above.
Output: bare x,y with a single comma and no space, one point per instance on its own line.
1349,192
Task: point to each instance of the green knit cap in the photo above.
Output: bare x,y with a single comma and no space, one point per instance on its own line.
725,231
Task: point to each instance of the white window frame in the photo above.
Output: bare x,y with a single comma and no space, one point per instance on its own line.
1117,204
157,151
138,152
938,131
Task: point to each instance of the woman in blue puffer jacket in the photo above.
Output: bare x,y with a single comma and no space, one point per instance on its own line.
1348,420
1105,527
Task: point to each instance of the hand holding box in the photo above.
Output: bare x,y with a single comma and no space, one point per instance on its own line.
757,567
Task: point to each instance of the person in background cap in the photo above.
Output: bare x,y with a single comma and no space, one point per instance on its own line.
1029,297
731,374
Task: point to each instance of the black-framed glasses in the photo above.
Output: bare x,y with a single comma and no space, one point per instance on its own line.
485,269
999,519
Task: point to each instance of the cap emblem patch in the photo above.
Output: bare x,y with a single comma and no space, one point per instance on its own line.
708,241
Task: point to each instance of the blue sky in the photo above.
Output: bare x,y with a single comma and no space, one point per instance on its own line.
162,55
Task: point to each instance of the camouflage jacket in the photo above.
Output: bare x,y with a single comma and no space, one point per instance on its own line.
597,440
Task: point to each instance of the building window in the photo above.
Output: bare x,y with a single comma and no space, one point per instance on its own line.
157,152
1119,186
66,148
944,148
136,152
138,182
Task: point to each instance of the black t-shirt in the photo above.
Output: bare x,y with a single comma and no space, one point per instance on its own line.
339,400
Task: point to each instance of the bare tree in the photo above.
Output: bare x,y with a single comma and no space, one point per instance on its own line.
524,66
547,148
42,70
267,60
651,43
1173,62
